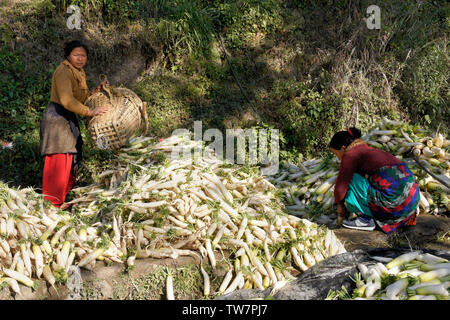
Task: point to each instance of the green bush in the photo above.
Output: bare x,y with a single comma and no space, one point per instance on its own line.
309,117
419,39
425,90
111,11
242,20
23,95
22,165
167,100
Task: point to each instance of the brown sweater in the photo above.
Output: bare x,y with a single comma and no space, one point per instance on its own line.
69,88
60,130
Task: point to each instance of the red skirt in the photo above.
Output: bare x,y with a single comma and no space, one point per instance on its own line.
57,177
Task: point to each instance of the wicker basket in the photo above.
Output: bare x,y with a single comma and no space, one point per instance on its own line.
127,114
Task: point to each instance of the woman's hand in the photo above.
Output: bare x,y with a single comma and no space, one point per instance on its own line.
97,111
341,211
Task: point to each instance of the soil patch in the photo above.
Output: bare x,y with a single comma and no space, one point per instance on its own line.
430,232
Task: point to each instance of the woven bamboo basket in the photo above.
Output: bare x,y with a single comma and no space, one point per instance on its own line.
126,114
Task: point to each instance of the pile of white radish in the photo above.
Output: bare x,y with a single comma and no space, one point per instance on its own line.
433,152
32,242
410,276
309,186
150,205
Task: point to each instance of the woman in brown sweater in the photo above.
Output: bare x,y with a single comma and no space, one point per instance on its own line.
373,184
60,136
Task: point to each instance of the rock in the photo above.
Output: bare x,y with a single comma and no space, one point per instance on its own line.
106,289
28,293
142,267
333,273
58,293
5,294
102,272
74,283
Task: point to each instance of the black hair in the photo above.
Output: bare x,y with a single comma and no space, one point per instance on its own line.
69,46
344,138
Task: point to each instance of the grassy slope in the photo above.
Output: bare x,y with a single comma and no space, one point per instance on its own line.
309,68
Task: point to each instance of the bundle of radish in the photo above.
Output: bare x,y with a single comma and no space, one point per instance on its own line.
153,205
36,239
411,276
309,186
431,150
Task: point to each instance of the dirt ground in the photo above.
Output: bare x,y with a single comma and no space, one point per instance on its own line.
113,282
430,232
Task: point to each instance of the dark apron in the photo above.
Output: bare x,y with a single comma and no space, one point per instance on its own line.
60,133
